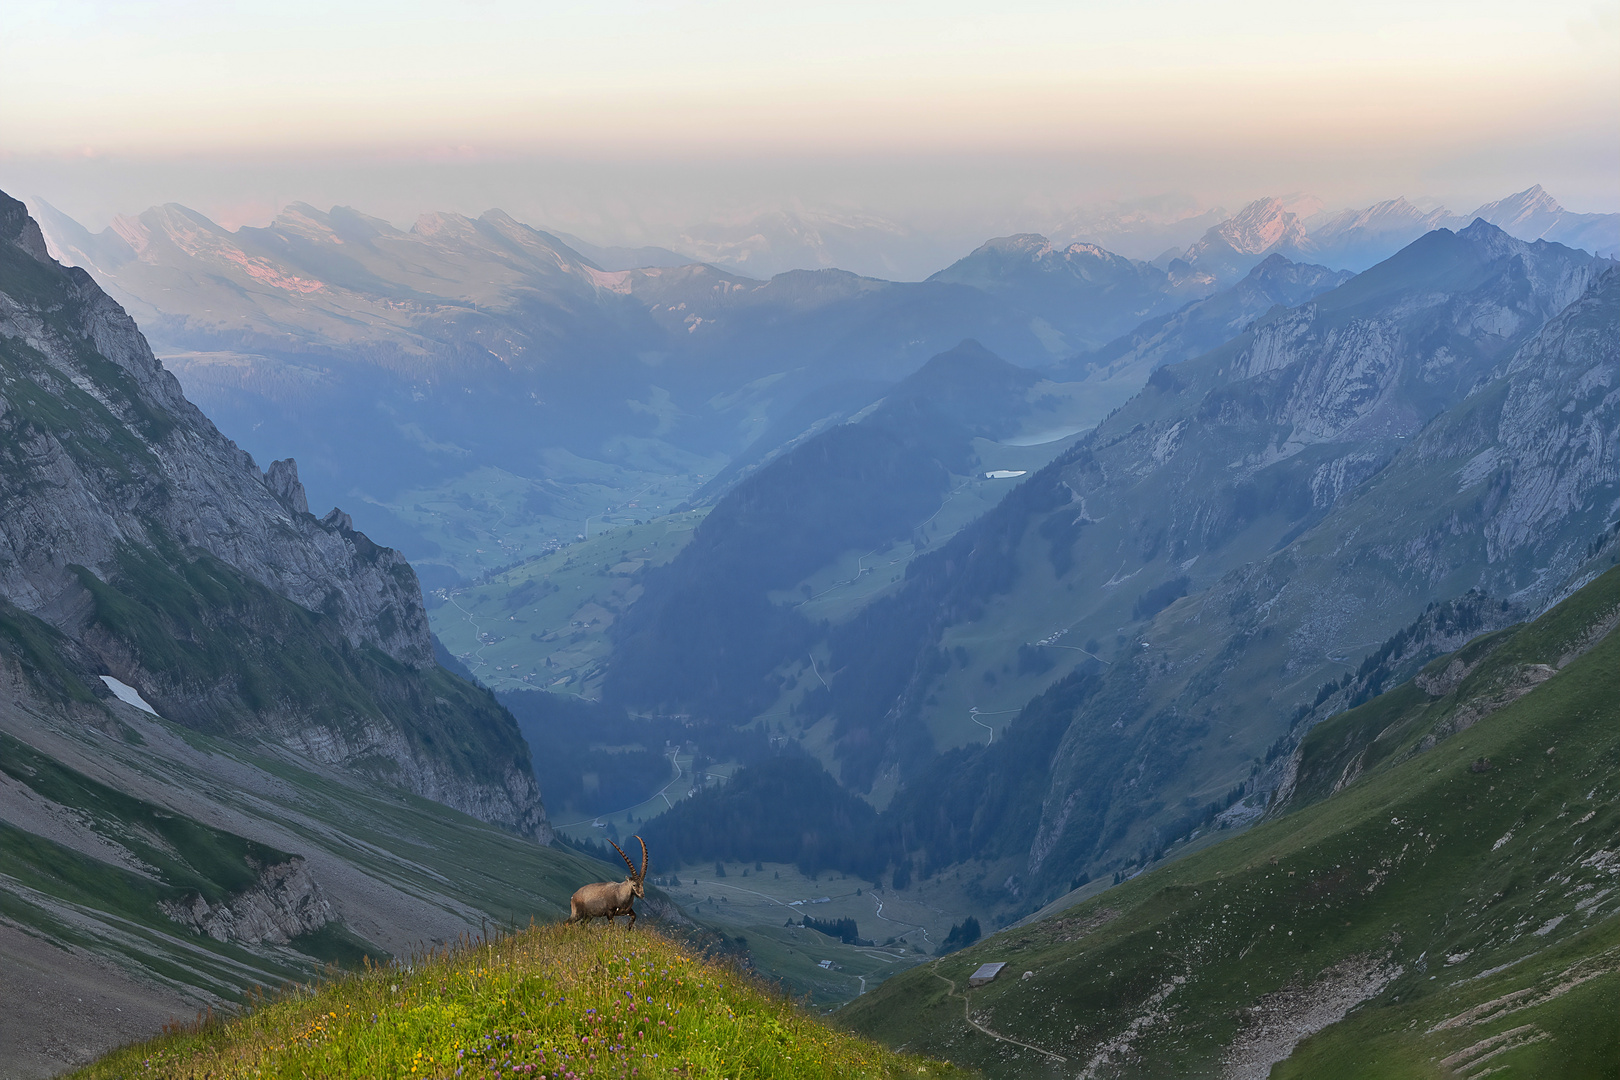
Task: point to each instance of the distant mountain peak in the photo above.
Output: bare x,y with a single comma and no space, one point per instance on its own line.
1272,264
1263,225
444,224
1037,249
968,351
303,220
1230,249
1302,205
181,226
1532,208
1032,244
301,211
1483,232
1534,195
1396,212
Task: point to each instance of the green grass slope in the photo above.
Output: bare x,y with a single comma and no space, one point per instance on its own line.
1452,909
558,1001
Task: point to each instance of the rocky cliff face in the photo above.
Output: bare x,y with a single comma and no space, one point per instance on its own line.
128,522
1206,324
1555,409
1503,492
1227,251
132,459
284,903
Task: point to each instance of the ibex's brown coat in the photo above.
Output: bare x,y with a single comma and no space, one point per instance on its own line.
608,899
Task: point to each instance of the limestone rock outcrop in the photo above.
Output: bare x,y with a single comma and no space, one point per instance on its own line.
285,902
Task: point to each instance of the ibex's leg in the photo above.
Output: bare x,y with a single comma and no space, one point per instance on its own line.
630,911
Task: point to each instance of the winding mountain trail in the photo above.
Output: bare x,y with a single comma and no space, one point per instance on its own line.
679,772
817,670
1078,649
478,635
914,926
974,714
967,1014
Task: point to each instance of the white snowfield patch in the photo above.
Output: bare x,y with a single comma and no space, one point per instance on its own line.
128,694
1004,474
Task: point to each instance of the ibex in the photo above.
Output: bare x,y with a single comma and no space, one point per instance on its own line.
608,899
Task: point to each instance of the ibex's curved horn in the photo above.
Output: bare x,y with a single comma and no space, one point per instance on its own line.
625,857
642,876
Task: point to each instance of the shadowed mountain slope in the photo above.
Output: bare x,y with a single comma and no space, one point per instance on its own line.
1158,605
1077,297
1218,462
707,630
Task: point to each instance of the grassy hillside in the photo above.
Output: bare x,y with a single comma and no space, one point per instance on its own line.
554,1001
1451,909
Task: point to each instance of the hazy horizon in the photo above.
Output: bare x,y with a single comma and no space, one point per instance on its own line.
952,123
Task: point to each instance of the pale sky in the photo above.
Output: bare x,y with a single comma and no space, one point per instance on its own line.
251,104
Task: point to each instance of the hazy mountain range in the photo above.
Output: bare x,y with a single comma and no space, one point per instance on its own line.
1201,562
1157,229
402,366
1356,239
408,370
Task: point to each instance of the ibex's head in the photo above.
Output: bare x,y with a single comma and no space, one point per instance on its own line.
636,876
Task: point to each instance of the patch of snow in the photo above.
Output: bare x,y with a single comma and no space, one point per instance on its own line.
128,694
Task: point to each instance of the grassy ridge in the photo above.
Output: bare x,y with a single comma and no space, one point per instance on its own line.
1476,905
555,1001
